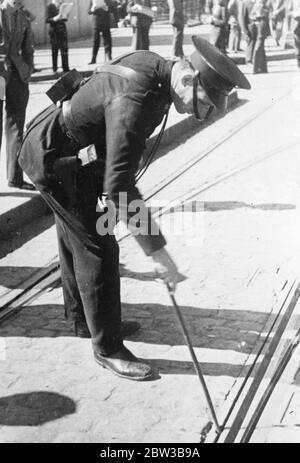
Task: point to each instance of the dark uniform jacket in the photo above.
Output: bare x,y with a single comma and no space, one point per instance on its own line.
101,16
16,44
115,114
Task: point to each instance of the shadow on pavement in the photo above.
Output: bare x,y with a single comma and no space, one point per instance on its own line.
227,336
16,239
34,408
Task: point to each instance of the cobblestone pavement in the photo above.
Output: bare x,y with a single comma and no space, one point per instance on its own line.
52,390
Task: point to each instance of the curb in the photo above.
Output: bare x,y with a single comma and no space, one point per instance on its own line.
35,207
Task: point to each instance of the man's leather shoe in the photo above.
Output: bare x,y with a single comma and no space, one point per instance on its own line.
125,365
128,328
22,185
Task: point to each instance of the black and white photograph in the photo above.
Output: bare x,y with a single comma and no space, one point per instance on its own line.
150,226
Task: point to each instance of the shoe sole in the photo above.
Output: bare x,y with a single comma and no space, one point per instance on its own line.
136,378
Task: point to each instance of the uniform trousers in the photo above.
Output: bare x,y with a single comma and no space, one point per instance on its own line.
89,262
17,95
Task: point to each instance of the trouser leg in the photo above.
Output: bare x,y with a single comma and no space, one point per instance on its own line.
94,264
107,43
96,44
259,55
145,38
135,43
17,94
297,43
64,49
250,43
72,300
1,122
177,41
54,51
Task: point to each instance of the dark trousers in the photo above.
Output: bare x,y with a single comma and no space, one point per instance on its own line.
107,42
89,262
140,38
59,41
250,43
259,54
296,33
219,37
17,95
177,44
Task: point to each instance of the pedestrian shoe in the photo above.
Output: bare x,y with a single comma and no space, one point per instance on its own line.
22,185
125,365
128,328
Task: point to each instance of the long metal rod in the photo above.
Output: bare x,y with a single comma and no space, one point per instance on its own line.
194,358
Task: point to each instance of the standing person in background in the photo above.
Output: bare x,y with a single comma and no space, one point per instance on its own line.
277,19
31,18
101,19
141,19
260,18
296,27
177,22
219,21
248,28
58,35
234,42
17,51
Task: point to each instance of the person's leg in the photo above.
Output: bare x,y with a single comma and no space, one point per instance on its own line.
214,35
96,45
54,50
145,37
177,42
136,39
93,260
17,94
1,122
107,43
297,43
64,51
259,55
72,300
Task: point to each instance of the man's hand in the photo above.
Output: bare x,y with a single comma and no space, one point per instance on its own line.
166,268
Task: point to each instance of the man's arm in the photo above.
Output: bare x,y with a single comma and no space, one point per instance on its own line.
125,141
